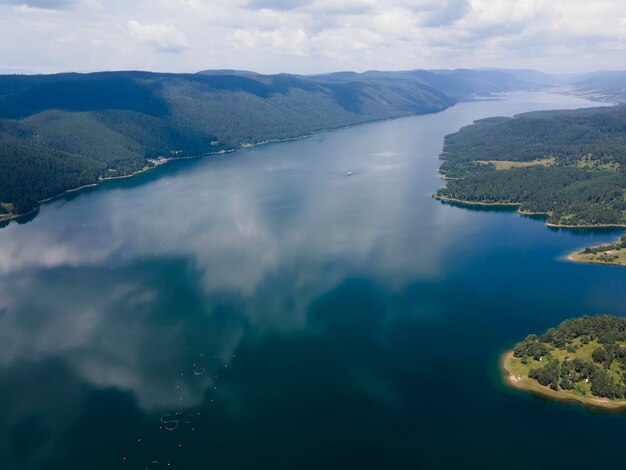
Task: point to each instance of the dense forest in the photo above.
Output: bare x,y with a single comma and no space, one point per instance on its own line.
62,131
570,165
583,355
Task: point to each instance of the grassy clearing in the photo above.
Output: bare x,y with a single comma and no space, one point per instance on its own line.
590,163
7,210
508,164
516,375
610,256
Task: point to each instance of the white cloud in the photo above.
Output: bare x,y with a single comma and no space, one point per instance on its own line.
309,36
40,4
163,37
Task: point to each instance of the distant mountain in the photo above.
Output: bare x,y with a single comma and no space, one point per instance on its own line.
14,71
241,73
610,85
62,131
535,77
459,84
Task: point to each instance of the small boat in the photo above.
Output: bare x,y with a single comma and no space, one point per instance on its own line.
349,173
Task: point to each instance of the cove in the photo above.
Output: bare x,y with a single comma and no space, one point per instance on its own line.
264,309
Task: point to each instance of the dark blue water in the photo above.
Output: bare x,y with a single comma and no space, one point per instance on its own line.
264,309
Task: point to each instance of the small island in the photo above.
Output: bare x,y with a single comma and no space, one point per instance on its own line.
613,253
582,360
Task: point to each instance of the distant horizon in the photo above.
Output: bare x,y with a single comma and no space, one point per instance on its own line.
9,71
308,37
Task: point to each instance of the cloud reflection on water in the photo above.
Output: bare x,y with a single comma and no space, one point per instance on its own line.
126,287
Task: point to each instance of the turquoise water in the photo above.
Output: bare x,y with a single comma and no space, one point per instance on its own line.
263,309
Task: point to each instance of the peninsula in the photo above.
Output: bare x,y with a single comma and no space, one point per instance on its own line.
581,360
613,253
567,165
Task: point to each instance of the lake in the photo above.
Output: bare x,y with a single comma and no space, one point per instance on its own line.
265,309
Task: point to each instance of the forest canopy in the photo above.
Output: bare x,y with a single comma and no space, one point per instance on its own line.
570,165
583,357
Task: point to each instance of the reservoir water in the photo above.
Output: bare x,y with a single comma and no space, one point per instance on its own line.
265,309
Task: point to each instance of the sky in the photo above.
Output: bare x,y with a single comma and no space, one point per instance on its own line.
310,36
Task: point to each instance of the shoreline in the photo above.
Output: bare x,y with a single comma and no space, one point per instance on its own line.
9,217
524,212
573,259
245,146
476,203
549,224
527,385
156,163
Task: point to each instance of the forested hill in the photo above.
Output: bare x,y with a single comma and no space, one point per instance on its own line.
62,131
570,165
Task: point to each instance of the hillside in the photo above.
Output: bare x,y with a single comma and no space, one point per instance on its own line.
59,132
570,165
